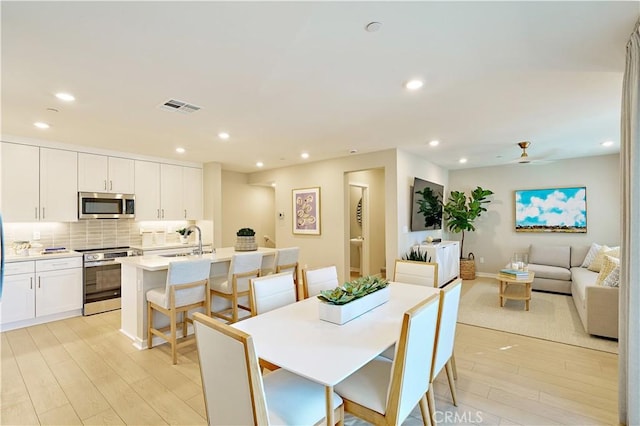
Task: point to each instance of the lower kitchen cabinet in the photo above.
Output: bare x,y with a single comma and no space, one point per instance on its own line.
40,291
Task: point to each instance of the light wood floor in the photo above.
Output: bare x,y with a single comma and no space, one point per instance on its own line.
83,371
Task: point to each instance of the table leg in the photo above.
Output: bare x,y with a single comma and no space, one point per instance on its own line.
502,284
328,391
528,291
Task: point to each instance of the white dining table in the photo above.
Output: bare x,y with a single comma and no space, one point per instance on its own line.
296,339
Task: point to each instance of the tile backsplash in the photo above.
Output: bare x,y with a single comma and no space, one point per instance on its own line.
89,233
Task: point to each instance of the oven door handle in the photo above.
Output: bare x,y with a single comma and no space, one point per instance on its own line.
100,263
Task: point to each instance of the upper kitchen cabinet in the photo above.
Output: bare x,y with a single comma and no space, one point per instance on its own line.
100,173
167,191
38,184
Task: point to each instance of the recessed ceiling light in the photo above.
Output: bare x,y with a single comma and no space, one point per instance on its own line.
434,143
607,143
372,27
304,155
462,160
41,125
259,164
414,84
180,150
224,135
65,97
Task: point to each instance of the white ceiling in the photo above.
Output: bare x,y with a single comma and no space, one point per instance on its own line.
288,77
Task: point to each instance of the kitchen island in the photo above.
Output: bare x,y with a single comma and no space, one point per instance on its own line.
142,273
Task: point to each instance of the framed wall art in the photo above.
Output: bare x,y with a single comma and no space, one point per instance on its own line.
551,210
306,211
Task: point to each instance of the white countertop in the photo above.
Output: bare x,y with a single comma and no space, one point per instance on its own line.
10,258
156,262
168,246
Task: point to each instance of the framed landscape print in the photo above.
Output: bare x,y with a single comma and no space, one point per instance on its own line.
551,210
306,211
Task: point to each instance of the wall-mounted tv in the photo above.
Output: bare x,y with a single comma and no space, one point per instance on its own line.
426,205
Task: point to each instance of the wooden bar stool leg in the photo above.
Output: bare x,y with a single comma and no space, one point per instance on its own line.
174,352
452,385
149,326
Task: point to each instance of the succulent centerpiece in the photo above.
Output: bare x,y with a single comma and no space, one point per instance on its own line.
353,299
246,240
184,234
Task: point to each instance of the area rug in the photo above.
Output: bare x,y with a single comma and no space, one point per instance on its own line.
551,316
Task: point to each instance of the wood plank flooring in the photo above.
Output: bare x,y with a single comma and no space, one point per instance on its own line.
83,371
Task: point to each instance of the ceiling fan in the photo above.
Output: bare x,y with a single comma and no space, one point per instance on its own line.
524,157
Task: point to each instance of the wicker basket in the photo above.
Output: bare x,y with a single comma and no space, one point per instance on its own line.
468,268
246,243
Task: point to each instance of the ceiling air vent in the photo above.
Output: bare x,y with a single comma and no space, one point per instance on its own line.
183,107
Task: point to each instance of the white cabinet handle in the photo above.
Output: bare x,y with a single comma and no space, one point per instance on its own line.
36,212
162,213
185,213
110,185
38,282
158,215
31,283
105,184
43,216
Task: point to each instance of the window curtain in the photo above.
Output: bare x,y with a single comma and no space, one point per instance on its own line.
629,300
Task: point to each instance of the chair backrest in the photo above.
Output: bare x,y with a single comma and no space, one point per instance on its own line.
447,319
287,257
414,350
318,279
271,292
231,379
184,272
414,272
246,265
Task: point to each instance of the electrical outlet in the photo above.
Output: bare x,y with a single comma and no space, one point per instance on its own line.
482,260
36,235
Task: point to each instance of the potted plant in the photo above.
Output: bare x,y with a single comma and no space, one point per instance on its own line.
460,212
246,240
416,255
353,299
184,234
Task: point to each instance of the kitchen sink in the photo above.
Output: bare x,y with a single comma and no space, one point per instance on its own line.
184,254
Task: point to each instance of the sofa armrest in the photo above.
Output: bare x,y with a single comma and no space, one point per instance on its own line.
602,310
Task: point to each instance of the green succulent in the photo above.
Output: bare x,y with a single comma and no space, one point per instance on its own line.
245,232
417,255
184,232
353,290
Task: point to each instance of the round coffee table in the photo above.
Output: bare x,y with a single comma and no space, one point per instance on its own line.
521,291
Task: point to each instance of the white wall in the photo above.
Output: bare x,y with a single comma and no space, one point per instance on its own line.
495,238
245,206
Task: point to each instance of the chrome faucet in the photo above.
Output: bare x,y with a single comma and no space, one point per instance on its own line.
199,250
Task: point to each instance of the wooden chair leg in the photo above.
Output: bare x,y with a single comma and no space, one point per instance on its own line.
453,364
234,308
431,403
452,384
184,323
424,410
149,326
174,352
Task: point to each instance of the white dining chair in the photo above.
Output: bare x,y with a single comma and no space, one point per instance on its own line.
271,292
287,261
186,289
383,391
317,279
445,339
414,272
242,268
235,392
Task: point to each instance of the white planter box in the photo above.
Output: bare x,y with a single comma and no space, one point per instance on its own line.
340,314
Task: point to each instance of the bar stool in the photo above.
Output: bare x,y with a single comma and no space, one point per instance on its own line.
243,267
187,288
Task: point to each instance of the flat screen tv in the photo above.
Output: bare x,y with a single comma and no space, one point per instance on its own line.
426,205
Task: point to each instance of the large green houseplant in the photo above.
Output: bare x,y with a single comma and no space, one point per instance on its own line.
460,211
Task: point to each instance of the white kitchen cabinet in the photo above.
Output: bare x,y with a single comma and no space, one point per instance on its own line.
101,173
38,184
167,191
192,193
447,255
40,291
147,190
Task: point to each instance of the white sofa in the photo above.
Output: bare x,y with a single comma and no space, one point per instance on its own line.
558,269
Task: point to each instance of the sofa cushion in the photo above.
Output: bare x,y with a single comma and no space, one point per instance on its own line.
550,255
578,255
604,251
550,272
582,278
608,264
613,279
591,254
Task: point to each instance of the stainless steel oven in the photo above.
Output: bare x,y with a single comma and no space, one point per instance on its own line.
102,285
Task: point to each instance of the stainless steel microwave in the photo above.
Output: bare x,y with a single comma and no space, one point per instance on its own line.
96,205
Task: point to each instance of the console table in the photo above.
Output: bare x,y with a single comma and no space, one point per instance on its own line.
447,255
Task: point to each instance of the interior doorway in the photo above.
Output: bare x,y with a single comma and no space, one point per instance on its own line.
365,223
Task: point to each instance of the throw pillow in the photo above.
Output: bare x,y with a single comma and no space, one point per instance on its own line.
613,279
608,264
593,251
604,250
